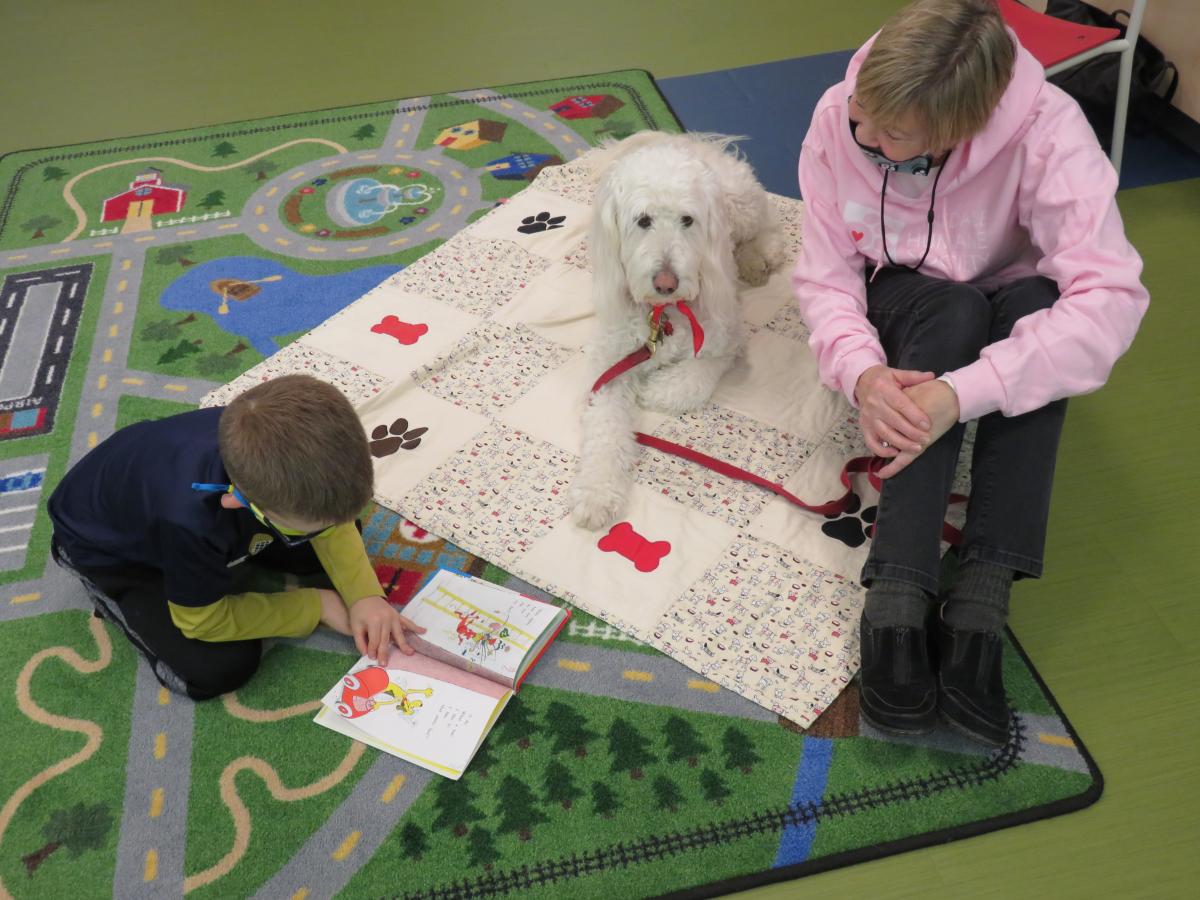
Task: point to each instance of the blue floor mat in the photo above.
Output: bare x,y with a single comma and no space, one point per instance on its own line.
772,104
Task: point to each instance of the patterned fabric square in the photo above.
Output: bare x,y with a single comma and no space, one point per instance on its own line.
770,625
491,367
729,437
499,493
355,381
473,275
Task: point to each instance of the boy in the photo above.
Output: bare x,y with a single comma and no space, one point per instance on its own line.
157,521
960,221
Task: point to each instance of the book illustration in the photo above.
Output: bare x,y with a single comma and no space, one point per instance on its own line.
362,692
480,638
480,635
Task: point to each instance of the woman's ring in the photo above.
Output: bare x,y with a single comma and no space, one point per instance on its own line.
884,444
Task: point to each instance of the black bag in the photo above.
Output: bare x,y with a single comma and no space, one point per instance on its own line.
1093,84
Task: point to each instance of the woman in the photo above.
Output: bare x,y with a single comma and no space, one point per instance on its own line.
963,259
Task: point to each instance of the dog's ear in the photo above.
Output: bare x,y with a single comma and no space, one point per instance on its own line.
610,292
718,270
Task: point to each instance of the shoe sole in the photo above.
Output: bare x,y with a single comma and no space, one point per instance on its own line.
897,729
967,732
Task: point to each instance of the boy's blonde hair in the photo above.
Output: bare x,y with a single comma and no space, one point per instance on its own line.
295,446
946,62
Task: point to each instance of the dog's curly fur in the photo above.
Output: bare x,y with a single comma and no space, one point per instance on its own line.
676,217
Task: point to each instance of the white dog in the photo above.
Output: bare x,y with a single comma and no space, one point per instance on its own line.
676,217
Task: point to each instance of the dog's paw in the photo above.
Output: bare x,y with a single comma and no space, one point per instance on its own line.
673,390
594,508
754,268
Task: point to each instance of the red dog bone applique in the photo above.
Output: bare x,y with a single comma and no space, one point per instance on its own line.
644,554
404,332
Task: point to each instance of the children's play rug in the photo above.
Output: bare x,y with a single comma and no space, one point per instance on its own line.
139,275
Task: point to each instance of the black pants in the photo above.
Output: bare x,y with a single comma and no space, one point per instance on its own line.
928,324
134,599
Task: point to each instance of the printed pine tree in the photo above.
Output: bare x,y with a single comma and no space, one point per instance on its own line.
367,131
683,742
53,173
604,800
178,253
712,786
739,750
481,848
666,793
517,808
568,729
160,330
179,351
79,828
413,843
483,760
560,786
453,801
212,200
224,149
517,724
629,749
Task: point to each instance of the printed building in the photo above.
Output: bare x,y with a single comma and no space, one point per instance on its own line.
593,106
469,135
147,196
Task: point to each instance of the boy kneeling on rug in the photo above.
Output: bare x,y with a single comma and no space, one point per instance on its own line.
960,221
157,520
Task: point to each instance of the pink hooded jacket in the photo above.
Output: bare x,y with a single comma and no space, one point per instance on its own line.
1032,193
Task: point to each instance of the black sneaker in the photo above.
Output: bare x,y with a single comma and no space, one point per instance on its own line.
897,689
971,683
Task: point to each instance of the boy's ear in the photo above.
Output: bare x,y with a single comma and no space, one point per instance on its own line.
228,501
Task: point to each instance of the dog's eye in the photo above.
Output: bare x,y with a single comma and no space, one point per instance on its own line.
645,222
686,221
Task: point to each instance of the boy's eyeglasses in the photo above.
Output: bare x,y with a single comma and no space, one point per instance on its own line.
289,536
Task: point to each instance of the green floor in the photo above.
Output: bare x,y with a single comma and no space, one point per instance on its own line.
1112,627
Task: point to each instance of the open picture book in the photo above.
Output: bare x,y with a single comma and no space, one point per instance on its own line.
435,707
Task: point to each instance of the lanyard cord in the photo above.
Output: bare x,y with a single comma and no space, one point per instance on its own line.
928,217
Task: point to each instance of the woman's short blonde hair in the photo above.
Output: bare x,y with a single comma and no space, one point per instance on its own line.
946,62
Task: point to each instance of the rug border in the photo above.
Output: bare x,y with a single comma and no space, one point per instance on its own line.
306,112
846,858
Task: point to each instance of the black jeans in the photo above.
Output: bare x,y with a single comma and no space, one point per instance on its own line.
928,324
134,598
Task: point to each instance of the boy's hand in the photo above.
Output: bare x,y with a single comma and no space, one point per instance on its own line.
333,611
375,623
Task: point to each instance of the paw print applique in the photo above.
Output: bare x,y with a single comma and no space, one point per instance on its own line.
387,439
852,527
543,221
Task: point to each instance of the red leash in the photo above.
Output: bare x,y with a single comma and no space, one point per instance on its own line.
659,324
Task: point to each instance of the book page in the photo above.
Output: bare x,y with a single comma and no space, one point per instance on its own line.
487,626
417,708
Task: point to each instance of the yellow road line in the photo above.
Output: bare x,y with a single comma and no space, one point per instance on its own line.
60,252
357,250
567,139
574,665
160,745
636,675
143,240
103,246
263,227
347,845
121,285
97,408
26,598
93,439
127,263
156,803
397,242
295,175
699,684
282,242
506,104
300,894
454,173
102,382
272,192
258,210
317,249
112,331
462,191
132,381
405,127
393,789
328,163
164,696
435,162
151,870
550,126
1056,740
118,308
399,145
227,225
175,387
527,114
186,232
367,156
107,355
20,256
456,209
403,156
434,227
